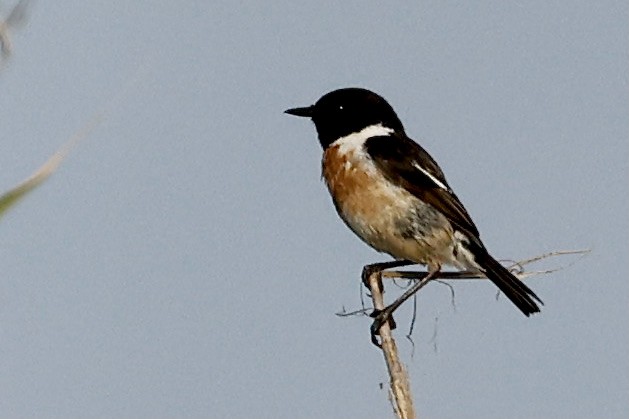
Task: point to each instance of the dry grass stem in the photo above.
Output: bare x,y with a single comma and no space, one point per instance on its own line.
399,382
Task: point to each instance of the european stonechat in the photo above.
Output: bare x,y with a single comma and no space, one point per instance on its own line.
394,196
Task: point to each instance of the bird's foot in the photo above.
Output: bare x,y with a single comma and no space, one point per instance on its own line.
380,318
369,270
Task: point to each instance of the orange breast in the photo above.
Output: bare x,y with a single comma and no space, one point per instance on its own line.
385,216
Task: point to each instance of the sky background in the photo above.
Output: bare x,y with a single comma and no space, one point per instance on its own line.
187,261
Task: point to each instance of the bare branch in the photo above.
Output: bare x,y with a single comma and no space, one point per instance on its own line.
344,313
399,392
517,268
521,273
399,383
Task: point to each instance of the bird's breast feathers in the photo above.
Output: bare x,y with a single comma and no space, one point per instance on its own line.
384,215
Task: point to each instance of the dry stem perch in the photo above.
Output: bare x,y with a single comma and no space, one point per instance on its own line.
383,315
399,383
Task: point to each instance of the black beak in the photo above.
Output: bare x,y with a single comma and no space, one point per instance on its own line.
305,112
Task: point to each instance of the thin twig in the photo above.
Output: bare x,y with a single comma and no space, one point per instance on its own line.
399,384
344,313
412,325
399,393
517,266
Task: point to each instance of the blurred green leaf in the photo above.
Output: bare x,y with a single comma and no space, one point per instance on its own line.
9,198
12,196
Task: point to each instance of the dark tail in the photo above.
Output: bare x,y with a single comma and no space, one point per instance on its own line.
515,290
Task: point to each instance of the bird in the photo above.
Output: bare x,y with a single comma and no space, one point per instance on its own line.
394,196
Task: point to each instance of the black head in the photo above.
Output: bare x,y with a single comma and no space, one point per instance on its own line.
345,111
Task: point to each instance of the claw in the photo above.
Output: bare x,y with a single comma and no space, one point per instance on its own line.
368,270
380,317
374,338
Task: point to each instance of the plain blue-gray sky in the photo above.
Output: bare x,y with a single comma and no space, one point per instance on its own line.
186,260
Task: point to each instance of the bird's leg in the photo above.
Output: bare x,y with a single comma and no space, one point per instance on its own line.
377,268
381,316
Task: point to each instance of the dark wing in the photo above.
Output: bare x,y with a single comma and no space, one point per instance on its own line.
407,164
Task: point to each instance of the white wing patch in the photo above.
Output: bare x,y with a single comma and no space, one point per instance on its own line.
431,177
464,259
